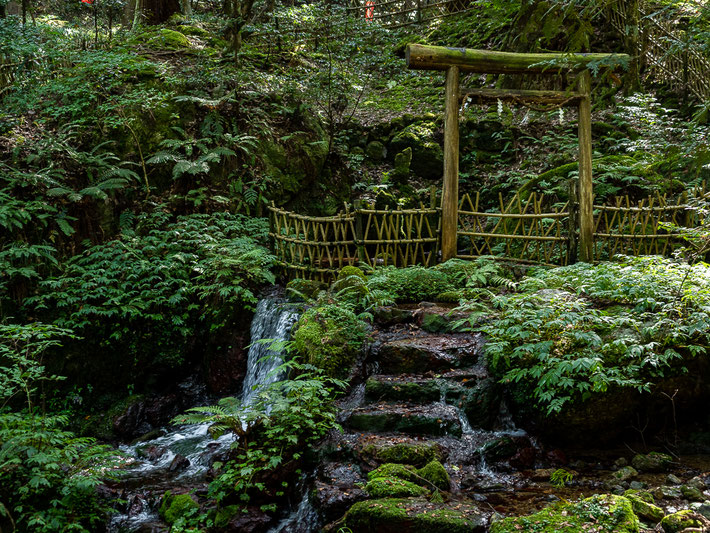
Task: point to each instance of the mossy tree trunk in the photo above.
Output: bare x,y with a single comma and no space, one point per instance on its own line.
154,11
240,12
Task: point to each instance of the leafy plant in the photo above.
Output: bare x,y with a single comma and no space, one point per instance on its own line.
285,418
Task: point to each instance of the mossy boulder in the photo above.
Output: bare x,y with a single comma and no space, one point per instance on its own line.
330,338
433,419
427,154
176,506
186,29
350,284
652,462
625,473
224,515
435,473
394,487
643,506
169,39
376,151
388,470
394,515
692,493
673,523
410,453
402,164
600,513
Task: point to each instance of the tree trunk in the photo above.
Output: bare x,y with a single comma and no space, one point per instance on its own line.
186,7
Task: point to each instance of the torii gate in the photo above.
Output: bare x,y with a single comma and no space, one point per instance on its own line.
456,60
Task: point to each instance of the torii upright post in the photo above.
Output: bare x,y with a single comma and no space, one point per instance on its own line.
456,60
450,190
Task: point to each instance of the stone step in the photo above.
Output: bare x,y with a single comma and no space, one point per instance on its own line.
397,515
433,419
420,352
469,389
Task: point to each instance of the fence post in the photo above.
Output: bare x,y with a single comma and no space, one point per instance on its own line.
450,192
572,223
359,237
586,187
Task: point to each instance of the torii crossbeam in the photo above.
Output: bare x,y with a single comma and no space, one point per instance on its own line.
456,60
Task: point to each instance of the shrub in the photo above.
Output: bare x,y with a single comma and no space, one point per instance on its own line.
329,337
410,284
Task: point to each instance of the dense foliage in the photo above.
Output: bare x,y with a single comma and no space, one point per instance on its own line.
572,332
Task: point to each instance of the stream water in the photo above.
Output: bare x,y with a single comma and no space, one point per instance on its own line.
182,455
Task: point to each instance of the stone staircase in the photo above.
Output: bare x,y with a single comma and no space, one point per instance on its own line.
423,384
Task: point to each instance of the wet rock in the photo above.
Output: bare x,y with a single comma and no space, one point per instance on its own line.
394,515
625,473
652,462
618,516
691,493
135,506
699,482
179,463
152,452
336,489
225,368
404,451
557,457
667,493
435,419
389,316
637,485
403,388
145,415
481,401
542,474
422,353
672,479
504,448
704,509
524,458
251,521
621,462
676,522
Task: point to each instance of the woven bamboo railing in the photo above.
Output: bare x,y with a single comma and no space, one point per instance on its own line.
522,230
525,230
661,48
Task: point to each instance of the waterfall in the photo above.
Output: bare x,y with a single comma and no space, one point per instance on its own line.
272,320
153,471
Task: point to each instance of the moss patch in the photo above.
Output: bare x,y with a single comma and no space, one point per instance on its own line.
399,515
436,474
393,487
603,513
406,452
175,506
387,470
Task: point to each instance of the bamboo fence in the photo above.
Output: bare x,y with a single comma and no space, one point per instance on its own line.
526,230
663,51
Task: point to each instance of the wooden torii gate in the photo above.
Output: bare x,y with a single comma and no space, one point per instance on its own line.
457,60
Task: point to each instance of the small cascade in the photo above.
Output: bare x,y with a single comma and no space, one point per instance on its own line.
272,320
303,519
183,454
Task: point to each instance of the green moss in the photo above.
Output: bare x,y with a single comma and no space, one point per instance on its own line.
406,453
388,470
410,391
330,338
194,30
645,510
174,507
605,512
395,515
652,462
394,487
225,515
168,39
435,473
676,522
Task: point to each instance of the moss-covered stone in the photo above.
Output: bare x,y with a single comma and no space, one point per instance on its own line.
186,29
652,462
402,164
169,39
673,523
402,390
173,507
643,508
225,514
407,515
427,154
330,338
411,453
376,151
414,420
692,493
387,470
394,487
600,513
625,473
435,473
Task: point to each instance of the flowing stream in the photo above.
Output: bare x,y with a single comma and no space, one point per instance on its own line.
182,455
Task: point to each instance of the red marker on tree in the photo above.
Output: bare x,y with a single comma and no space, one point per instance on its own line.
369,10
